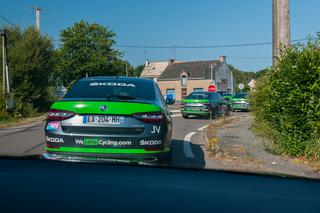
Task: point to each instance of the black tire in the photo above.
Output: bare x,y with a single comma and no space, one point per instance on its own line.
165,158
213,114
185,116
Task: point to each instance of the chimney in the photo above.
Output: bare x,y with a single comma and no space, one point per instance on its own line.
147,63
171,61
223,58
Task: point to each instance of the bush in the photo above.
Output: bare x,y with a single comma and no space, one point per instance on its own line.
286,102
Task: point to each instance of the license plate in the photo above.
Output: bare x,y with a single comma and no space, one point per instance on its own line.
193,105
103,119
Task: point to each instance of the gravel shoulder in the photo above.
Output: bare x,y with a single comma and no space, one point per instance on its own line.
22,122
238,148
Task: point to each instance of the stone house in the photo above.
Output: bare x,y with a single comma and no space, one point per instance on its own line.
182,78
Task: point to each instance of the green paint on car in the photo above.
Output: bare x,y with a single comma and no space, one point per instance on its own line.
114,108
105,151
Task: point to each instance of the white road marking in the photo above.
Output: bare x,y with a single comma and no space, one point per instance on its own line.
175,110
202,128
187,145
177,115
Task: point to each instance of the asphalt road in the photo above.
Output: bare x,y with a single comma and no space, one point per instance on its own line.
29,140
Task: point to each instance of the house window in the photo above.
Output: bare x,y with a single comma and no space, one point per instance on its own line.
197,89
183,79
183,93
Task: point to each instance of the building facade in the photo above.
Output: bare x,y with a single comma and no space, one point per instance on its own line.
180,79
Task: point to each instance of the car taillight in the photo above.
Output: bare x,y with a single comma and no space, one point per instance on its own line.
59,115
149,117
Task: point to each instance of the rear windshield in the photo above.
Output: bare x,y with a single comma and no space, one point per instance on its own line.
117,90
198,96
242,95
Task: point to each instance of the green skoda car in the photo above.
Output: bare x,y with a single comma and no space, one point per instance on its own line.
225,95
240,102
210,104
110,118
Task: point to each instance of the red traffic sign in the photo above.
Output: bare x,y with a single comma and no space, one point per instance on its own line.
212,88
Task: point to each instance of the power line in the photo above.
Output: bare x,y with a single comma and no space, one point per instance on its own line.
202,46
6,20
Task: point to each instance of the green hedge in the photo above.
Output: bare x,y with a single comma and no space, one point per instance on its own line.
286,102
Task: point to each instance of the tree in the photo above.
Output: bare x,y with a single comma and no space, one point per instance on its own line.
245,77
86,49
30,62
138,70
286,102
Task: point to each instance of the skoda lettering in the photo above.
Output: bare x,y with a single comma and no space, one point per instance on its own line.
54,140
150,142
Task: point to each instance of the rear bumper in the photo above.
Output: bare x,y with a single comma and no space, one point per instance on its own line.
201,111
240,107
128,147
118,154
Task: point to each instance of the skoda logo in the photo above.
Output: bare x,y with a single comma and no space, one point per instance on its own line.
103,107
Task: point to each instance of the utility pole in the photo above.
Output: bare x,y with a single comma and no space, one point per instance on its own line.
211,73
37,10
5,72
3,63
280,27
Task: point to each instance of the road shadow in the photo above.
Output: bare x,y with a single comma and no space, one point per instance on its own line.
198,118
179,159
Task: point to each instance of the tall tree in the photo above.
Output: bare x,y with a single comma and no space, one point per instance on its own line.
85,49
30,62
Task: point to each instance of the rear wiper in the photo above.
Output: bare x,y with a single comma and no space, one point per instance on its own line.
120,97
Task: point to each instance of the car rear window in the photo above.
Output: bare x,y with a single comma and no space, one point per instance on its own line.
241,96
117,89
198,96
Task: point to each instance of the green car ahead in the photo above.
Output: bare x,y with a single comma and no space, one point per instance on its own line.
227,96
240,102
116,118
210,104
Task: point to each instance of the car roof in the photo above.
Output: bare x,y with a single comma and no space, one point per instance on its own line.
123,78
203,92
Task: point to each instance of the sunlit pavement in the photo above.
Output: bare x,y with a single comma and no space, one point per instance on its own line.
188,146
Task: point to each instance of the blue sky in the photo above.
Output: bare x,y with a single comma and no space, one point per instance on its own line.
175,22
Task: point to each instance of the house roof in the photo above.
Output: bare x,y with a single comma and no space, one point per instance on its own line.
252,82
196,70
154,69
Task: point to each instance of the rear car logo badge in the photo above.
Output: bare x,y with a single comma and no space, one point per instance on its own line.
103,107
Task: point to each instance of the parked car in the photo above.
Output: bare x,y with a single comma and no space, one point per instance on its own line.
210,104
240,102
